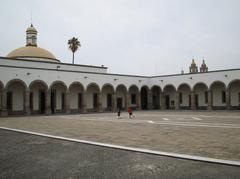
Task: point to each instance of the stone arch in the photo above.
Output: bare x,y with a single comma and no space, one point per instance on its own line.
184,95
218,95
58,97
156,90
58,83
134,97
43,83
144,97
234,94
76,83
93,97
107,92
38,97
76,97
16,101
200,90
121,96
16,80
169,91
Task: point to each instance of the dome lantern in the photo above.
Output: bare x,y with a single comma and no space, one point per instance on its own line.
31,51
31,36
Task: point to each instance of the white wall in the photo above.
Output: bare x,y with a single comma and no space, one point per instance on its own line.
17,96
121,93
59,92
30,71
185,96
91,90
172,95
200,90
106,90
53,65
234,92
217,95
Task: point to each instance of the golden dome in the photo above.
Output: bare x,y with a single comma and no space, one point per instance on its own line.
32,52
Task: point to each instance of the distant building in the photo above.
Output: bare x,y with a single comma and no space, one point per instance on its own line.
203,67
193,68
34,81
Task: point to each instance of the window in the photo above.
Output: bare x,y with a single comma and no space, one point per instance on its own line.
180,98
223,97
206,97
133,98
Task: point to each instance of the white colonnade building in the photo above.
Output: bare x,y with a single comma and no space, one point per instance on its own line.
34,81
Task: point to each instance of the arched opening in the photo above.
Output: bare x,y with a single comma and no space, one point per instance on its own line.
218,95
76,92
184,92
144,97
38,97
107,97
234,93
16,91
58,97
170,96
93,97
134,97
121,97
201,95
156,97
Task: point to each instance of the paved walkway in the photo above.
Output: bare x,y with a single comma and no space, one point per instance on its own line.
28,156
215,135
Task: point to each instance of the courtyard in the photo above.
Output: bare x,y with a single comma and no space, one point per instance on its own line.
213,134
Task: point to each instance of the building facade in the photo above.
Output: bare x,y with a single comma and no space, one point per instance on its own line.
34,81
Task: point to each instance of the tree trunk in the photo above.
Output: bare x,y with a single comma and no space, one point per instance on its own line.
73,59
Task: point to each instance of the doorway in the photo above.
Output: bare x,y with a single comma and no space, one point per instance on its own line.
144,98
196,100
53,101
42,102
167,102
95,101
109,102
119,103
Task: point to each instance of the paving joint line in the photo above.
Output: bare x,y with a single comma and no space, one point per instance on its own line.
132,149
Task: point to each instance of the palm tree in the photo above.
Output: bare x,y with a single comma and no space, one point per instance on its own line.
73,45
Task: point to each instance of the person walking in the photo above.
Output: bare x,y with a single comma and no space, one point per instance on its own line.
118,113
130,115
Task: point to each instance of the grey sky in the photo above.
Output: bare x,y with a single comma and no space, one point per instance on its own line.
150,37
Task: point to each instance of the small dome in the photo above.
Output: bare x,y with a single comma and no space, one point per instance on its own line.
31,29
32,52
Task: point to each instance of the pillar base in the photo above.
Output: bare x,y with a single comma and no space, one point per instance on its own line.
48,111
28,112
4,112
209,108
84,110
68,111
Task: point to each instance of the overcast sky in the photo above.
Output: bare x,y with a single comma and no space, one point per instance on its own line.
142,37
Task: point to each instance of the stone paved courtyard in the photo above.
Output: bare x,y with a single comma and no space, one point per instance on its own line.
209,134
30,156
